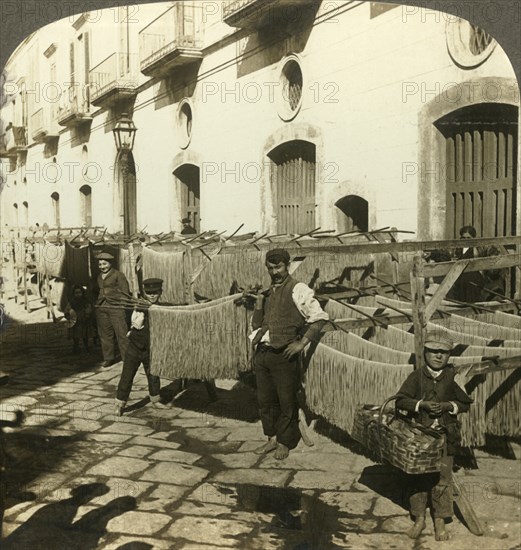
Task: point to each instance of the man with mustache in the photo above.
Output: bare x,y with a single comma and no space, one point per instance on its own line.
284,322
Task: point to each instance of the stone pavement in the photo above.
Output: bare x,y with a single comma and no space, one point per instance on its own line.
185,477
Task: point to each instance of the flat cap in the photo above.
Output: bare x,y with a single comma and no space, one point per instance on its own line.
438,339
105,256
153,285
278,255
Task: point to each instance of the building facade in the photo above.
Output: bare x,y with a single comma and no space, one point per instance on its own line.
283,116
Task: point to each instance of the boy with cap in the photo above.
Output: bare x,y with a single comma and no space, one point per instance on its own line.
433,398
138,350
111,320
284,322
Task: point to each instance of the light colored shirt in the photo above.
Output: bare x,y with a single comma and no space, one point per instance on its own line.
308,306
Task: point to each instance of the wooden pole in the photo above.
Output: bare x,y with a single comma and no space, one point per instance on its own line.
133,274
48,297
418,308
24,270
187,275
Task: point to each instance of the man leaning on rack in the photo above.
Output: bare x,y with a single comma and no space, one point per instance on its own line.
284,322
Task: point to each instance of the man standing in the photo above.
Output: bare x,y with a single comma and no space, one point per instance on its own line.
138,350
188,229
284,322
114,293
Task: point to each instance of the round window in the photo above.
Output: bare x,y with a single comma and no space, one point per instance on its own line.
291,86
184,122
468,44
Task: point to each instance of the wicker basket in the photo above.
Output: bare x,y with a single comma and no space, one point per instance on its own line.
403,443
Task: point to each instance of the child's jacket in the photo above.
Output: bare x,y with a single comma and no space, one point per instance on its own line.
421,385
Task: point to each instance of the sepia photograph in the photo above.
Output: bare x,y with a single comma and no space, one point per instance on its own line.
260,275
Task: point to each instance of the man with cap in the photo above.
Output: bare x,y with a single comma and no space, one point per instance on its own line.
284,320
432,397
138,350
188,229
114,294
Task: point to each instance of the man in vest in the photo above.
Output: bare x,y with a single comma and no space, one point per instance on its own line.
284,322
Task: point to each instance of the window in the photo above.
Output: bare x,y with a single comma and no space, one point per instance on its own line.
352,214
293,176
86,205
291,85
479,40
184,122
25,220
15,214
468,44
481,179
189,193
55,201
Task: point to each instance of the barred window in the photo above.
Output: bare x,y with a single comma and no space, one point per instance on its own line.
291,80
479,40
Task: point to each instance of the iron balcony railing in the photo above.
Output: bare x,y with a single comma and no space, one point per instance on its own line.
179,30
38,124
73,105
15,139
115,73
259,13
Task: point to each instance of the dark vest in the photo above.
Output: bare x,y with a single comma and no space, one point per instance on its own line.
281,316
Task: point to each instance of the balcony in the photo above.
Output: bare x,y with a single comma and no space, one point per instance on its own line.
174,39
15,139
43,126
254,14
73,108
114,79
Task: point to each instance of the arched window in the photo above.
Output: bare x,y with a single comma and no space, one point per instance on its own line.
189,193
25,220
353,213
86,205
55,201
480,174
293,178
15,214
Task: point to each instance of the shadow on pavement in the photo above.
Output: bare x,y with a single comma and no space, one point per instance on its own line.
52,528
388,482
29,455
237,403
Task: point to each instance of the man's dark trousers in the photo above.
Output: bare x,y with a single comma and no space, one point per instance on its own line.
133,358
112,322
278,382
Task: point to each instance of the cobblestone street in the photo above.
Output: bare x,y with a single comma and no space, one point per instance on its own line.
185,477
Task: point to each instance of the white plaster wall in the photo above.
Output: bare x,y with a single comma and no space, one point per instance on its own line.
366,81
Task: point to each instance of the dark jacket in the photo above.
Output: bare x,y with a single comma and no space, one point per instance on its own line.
420,385
113,288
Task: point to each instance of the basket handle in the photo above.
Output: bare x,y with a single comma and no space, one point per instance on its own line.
379,425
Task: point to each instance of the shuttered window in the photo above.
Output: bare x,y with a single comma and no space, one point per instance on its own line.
189,193
480,172
86,205
293,175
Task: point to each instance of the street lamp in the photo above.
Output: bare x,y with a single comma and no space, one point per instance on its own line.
124,133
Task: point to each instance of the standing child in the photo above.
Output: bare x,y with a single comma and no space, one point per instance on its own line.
79,313
433,398
138,350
